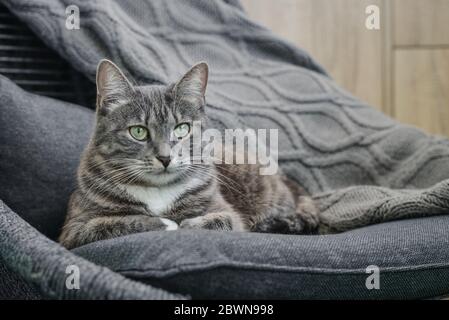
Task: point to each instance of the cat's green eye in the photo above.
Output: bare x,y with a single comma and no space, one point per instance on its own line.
138,132
181,130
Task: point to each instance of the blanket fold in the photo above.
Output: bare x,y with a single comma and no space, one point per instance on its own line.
45,265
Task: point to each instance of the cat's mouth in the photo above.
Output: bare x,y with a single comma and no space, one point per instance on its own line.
165,171
163,176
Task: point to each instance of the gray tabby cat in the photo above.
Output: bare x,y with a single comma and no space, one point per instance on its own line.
129,183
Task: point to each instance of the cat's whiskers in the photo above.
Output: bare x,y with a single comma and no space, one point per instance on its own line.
113,178
98,187
215,175
221,167
119,180
114,161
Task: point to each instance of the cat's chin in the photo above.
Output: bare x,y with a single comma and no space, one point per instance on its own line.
162,178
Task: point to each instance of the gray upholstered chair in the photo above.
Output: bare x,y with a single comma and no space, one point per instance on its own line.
363,167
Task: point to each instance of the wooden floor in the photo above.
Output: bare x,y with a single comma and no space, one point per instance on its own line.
402,69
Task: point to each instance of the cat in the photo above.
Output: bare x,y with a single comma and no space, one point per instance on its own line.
128,182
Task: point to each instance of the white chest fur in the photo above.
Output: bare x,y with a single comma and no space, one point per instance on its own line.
159,200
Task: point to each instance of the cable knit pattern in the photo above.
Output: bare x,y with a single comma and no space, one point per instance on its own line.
361,166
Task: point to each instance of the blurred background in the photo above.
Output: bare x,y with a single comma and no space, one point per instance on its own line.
401,69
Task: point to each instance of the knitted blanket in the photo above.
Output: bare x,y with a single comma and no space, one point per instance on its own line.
360,165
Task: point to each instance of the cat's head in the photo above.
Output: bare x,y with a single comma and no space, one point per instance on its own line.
138,127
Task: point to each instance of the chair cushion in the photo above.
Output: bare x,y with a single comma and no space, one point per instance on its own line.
412,257
41,140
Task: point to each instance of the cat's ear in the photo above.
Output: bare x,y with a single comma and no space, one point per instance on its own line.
113,88
192,86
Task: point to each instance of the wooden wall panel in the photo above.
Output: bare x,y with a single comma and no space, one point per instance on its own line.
421,22
334,33
403,69
422,88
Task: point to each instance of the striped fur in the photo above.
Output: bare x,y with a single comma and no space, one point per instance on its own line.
123,188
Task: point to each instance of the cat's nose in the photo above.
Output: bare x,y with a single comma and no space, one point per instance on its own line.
165,160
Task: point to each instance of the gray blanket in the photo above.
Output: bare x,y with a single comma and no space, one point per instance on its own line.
360,165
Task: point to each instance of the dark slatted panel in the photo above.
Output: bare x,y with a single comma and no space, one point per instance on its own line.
26,60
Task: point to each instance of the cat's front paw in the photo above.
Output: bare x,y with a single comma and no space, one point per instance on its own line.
171,225
214,221
194,223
